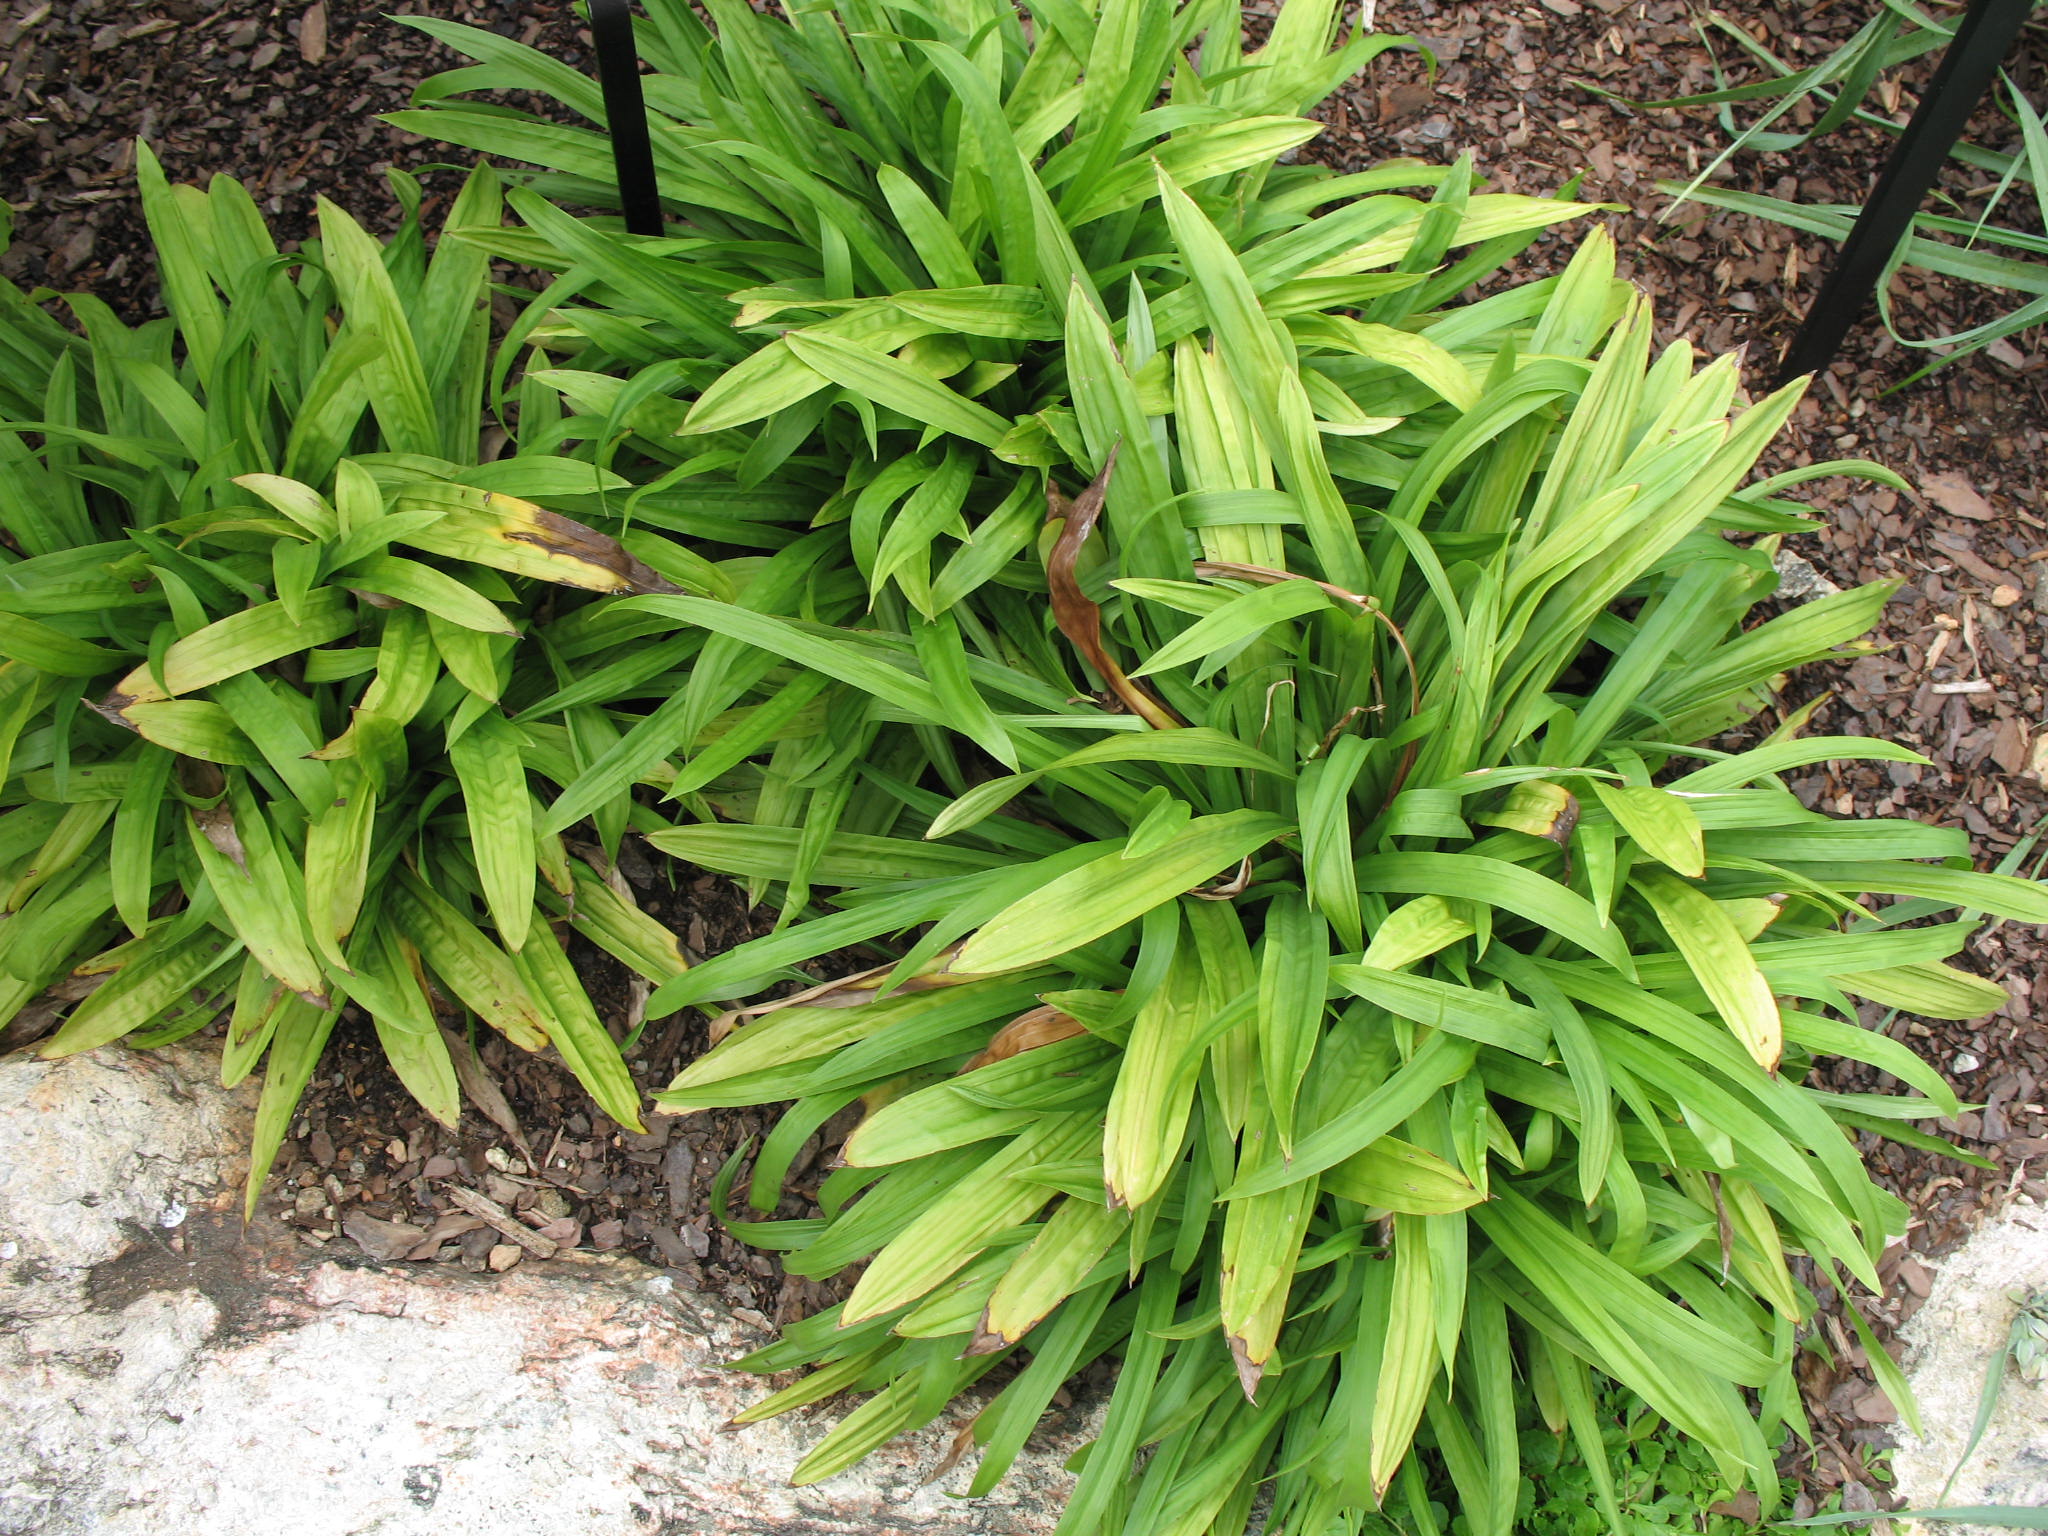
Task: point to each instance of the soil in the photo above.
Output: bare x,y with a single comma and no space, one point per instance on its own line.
286,97
360,1144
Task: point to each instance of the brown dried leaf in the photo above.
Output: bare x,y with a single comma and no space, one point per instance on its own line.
1403,102
1744,1506
41,1016
200,779
1079,619
565,1232
2003,351
1226,887
482,1090
963,1442
1858,1498
1027,1032
1566,821
1248,1370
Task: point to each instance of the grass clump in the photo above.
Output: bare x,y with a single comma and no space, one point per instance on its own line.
1331,977
287,664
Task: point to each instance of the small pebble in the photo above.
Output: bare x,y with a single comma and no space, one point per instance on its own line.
552,1203
503,1256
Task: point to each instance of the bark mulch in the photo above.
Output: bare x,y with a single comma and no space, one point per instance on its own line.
286,97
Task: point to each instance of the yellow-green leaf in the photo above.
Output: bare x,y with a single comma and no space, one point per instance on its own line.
1662,824
1109,891
1396,1175
237,643
1722,963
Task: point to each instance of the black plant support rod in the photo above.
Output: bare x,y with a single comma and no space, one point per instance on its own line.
1965,74
625,111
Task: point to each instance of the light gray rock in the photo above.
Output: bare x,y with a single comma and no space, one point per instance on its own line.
1799,579
96,1148
1953,1338
201,1380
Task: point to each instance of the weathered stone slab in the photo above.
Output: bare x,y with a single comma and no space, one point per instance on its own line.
1954,1338
165,1371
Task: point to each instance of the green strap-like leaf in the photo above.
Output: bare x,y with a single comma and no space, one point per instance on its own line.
1085,903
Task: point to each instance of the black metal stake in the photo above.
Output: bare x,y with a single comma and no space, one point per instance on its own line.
1965,74
625,111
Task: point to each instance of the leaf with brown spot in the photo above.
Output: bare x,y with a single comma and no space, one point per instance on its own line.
230,646
1537,808
508,534
217,824
237,850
